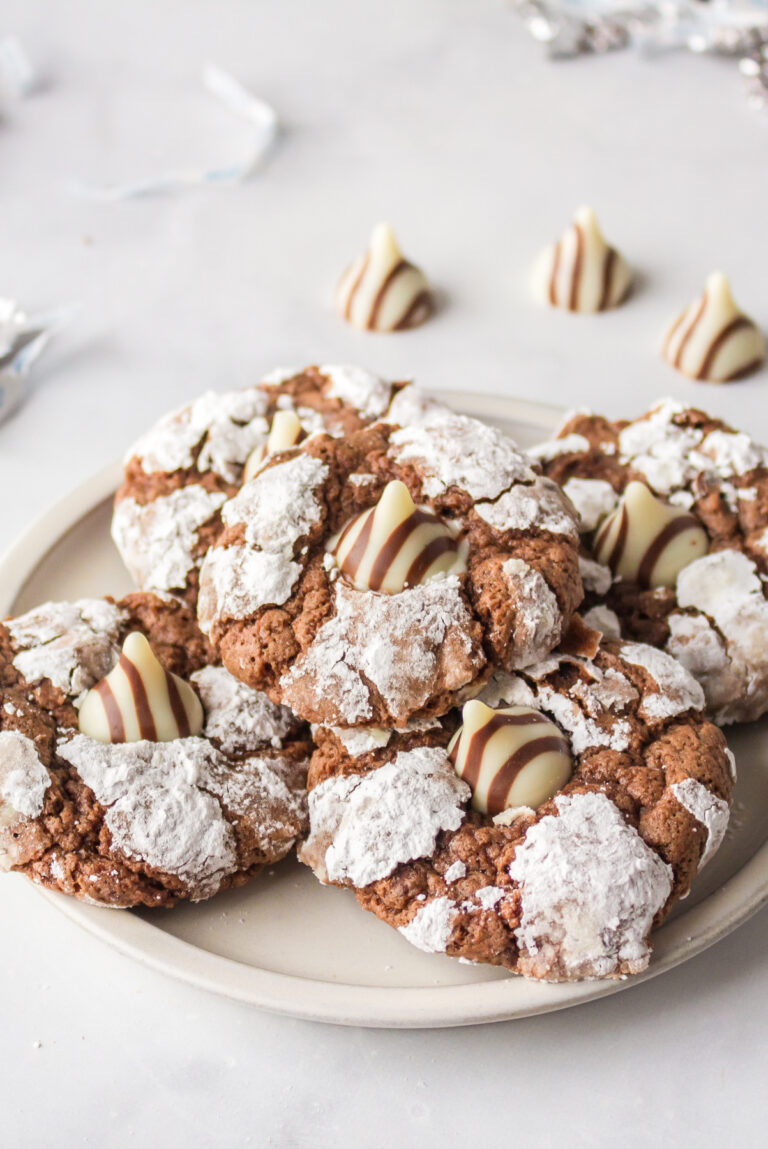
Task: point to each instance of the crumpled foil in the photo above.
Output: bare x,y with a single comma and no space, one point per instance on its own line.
22,339
736,28
263,122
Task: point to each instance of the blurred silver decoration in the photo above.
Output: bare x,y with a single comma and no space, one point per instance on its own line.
263,123
17,77
736,28
22,339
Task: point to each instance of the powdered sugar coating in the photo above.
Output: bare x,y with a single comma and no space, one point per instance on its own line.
278,505
707,808
413,406
23,779
591,711
540,620
165,804
592,498
359,388
454,872
488,897
594,575
239,718
604,619
678,691
216,432
363,826
540,504
554,447
398,643
590,888
157,540
431,928
276,508
461,452
237,581
157,810
71,644
732,662
361,740
672,456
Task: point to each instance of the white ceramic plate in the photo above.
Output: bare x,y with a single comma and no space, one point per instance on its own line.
288,944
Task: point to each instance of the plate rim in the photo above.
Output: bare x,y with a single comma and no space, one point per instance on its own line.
341,1003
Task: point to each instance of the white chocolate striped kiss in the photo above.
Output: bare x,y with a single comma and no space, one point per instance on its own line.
396,544
382,291
713,340
581,272
139,699
647,541
510,757
285,432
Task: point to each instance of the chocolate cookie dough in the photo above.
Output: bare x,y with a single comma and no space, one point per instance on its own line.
382,576
143,777
707,480
567,888
178,475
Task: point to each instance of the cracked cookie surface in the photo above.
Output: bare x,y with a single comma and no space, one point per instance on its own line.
141,823
568,891
715,618
286,620
180,472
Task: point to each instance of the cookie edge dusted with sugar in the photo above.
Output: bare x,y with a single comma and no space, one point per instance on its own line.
646,807
82,816
704,466
179,473
272,599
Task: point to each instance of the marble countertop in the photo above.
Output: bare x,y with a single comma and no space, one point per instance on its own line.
442,116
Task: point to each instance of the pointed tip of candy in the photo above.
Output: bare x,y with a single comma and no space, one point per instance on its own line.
585,216
136,645
718,284
475,714
396,499
383,239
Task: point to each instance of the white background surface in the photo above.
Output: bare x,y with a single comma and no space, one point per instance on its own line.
444,117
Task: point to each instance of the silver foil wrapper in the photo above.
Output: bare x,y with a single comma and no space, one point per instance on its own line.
22,339
736,28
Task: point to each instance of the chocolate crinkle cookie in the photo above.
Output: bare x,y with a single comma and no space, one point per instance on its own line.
180,472
674,511
385,575
134,770
547,827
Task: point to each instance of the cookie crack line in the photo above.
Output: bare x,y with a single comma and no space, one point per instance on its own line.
565,889
492,614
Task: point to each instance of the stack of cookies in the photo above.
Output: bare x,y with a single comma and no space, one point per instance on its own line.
355,631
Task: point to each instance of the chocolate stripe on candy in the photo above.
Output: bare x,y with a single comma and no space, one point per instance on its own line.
396,544
382,291
647,541
510,757
139,699
713,340
581,272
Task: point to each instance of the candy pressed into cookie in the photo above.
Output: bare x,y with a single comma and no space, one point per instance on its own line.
385,575
674,508
179,474
547,828
134,770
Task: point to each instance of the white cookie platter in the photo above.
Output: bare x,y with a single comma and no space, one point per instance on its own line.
287,944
